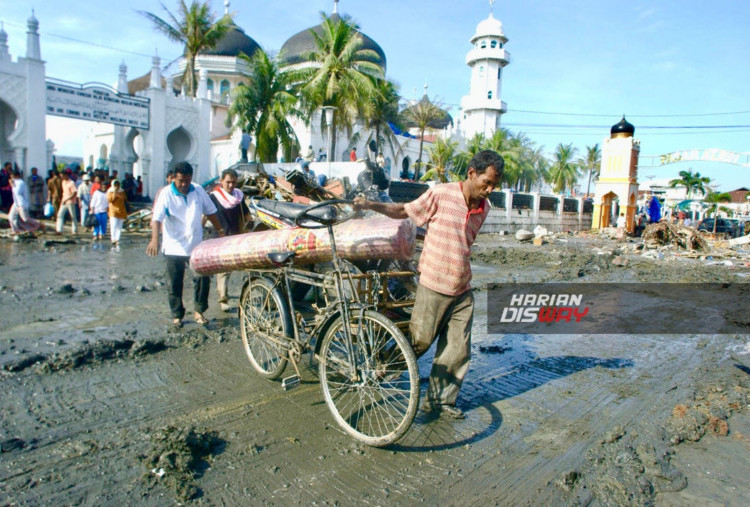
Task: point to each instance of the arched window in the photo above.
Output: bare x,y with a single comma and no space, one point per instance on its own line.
210,85
493,44
489,94
484,44
481,70
499,72
224,88
240,84
501,45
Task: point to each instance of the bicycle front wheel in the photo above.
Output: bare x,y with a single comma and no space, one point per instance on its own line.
264,315
375,399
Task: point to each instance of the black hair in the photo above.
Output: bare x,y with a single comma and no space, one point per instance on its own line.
228,172
486,158
16,173
183,168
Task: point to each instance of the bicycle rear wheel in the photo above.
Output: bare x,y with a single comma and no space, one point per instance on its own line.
376,405
263,311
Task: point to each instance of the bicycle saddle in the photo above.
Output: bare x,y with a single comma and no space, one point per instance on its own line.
279,258
290,210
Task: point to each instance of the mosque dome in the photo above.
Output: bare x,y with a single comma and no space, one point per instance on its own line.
233,43
439,123
299,46
489,27
622,129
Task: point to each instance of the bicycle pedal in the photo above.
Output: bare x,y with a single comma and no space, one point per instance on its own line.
289,383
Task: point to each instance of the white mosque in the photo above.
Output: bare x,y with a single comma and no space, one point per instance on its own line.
183,128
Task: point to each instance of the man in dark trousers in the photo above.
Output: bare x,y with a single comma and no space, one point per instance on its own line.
232,213
444,305
178,213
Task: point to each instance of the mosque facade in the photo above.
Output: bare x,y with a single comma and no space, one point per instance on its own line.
197,130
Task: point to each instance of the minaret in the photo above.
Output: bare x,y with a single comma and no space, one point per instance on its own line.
122,78
482,108
32,38
4,50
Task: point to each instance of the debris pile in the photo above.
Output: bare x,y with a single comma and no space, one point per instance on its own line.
665,233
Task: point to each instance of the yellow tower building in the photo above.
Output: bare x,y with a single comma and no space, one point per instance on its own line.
618,179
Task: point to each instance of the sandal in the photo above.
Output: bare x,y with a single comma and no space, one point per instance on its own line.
200,319
176,324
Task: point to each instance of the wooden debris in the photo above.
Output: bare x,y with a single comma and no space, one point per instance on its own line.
665,233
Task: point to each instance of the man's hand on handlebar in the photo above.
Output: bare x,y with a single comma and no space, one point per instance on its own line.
360,203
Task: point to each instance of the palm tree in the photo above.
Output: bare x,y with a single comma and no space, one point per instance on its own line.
196,29
263,106
442,154
342,77
473,146
564,172
691,182
591,163
383,111
508,147
423,115
715,198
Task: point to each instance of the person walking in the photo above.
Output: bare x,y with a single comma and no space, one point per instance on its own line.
116,198
36,193
444,305
178,213
68,203
353,155
6,189
18,216
54,191
244,146
84,199
99,206
231,212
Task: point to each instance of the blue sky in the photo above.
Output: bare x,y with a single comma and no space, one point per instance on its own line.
593,60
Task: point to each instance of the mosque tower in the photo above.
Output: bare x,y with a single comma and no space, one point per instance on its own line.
482,108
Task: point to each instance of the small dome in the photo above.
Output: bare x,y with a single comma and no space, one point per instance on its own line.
489,27
439,123
622,129
233,42
299,46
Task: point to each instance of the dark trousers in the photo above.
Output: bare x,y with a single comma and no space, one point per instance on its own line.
175,279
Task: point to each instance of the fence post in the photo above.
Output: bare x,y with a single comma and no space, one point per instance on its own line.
560,209
580,213
537,202
508,203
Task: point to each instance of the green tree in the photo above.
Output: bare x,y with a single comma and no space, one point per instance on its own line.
263,106
382,111
441,156
424,115
197,28
564,172
343,75
592,163
691,182
714,198
473,146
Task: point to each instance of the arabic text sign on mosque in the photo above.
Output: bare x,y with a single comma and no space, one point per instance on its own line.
97,103
707,155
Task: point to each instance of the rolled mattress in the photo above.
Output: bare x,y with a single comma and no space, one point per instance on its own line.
369,238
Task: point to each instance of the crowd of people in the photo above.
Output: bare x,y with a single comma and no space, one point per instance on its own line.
90,199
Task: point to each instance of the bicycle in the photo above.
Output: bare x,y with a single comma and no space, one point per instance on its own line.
366,366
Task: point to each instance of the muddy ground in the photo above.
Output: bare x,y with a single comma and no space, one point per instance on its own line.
102,404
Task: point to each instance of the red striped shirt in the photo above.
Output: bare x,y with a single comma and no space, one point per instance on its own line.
451,230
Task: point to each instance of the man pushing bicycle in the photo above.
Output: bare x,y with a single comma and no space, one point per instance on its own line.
443,310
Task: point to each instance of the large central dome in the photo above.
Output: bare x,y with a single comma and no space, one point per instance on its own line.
297,48
232,43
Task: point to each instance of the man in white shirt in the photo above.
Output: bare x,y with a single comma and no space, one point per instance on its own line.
178,214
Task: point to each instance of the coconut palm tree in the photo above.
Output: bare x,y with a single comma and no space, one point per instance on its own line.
592,163
197,28
382,112
423,115
714,198
564,172
441,154
343,75
473,146
263,106
691,182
